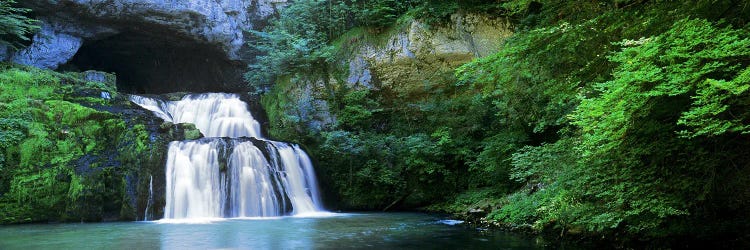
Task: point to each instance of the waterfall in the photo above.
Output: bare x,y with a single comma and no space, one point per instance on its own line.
296,168
234,171
214,114
150,200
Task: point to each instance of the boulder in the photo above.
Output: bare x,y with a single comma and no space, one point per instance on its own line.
180,131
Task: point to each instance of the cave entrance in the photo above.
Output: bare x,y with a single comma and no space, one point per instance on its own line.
160,63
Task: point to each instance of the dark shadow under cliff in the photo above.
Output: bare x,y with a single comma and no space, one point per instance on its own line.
159,62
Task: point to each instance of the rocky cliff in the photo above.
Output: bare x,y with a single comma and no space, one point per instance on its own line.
403,57
375,118
154,45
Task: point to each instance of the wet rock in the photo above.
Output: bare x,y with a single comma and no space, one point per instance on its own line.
176,96
465,37
166,127
359,73
5,53
476,211
97,76
475,215
180,131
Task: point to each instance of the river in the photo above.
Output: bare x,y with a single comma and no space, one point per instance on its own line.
333,231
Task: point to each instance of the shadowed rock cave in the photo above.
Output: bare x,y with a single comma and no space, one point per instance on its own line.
154,64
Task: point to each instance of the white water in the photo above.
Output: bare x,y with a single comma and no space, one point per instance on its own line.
214,114
254,195
296,176
150,200
249,185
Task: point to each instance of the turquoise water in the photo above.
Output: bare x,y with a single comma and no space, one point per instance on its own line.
340,231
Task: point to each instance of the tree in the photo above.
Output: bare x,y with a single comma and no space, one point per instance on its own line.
14,26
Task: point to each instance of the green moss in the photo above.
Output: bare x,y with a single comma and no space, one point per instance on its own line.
192,134
44,134
278,103
166,126
20,84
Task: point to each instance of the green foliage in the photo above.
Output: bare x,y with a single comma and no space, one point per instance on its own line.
296,40
667,83
380,13
377,156
519,209
377,143
379,169
693,57
620,119
358,110
15,27
644,143
304,37
486,199
43,141
439,12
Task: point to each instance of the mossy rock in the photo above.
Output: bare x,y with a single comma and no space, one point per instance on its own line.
166,127
176,96
193,134
186,126
180,131
108,79
187,131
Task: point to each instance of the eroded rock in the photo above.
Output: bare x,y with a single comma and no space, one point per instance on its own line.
220,23
50,49
154,46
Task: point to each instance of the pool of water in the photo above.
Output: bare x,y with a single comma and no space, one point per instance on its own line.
329,231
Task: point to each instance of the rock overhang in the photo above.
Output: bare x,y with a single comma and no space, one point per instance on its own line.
154,46
146,62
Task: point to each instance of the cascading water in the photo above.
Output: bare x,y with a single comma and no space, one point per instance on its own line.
214,114
150,199
233,172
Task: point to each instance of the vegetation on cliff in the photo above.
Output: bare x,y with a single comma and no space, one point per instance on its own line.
63,157
625,119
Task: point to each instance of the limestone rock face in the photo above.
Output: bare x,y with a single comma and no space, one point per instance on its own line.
216,22
400,59
154,46
467,36
50,49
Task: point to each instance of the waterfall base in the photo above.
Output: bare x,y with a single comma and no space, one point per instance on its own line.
244,177
229,174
